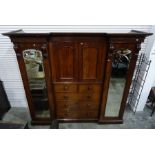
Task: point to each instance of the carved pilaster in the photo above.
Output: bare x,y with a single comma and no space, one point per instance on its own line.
110,55
111,49
44,50
111,46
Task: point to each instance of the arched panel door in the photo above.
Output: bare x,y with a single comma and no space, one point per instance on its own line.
92,55
64,61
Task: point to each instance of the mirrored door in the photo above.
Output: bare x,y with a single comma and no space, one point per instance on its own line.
33,60
120,65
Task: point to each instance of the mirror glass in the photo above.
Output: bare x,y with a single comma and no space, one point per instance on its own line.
36,77
120,65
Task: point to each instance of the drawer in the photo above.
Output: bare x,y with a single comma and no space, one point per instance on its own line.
62,105
89,88
66,96
77,114
65,88
89,105
77,105
89,97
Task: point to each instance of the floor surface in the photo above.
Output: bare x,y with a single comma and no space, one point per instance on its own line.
140,120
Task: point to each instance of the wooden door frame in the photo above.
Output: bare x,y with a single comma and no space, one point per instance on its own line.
130,72
19,47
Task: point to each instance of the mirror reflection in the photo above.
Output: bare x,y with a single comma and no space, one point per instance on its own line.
36,77
120,65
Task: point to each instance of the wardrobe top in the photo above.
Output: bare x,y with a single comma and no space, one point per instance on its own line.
21,33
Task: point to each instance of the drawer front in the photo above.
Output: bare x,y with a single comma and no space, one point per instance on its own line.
65,88
66,96
89,97
77,105
89,88
65,114
62,105
89,106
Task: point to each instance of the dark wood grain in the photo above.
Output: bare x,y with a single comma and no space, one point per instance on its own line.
105,87
78,70
64,61
19,48
92,59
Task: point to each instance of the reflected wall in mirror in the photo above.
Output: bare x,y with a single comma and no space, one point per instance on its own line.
120,65
36,78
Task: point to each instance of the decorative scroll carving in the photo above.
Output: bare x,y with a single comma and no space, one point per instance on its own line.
122,57
44,50
120,53
123,54
112,47
44,47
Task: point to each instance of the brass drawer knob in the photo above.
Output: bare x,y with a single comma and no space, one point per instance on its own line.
66,105
88,96
89,88
66,97
67,110
66,87
88,104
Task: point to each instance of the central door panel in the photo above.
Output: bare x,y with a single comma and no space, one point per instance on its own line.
65,61
91,60
89,64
